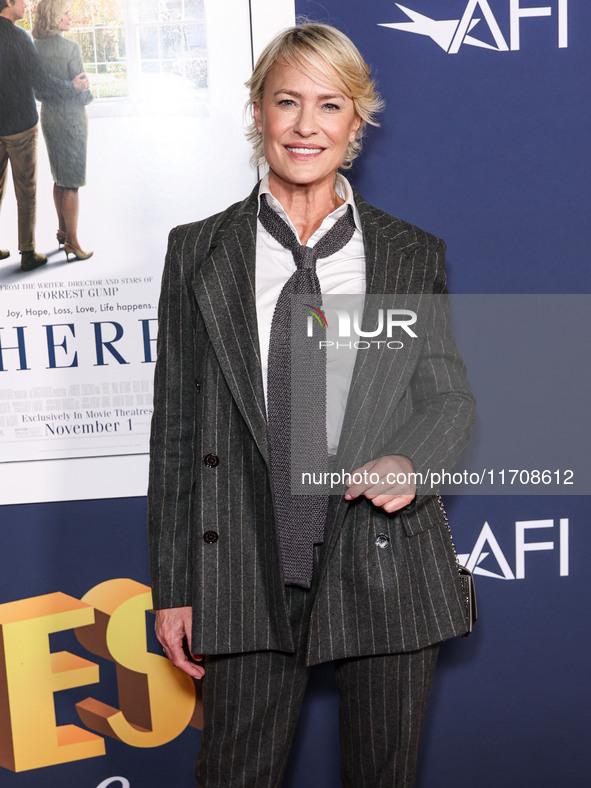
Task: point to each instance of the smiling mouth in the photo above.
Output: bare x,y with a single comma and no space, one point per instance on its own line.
304,151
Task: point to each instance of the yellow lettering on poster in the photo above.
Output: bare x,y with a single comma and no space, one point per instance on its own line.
157,701
29,675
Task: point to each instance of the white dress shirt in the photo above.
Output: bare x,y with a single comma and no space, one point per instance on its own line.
341,273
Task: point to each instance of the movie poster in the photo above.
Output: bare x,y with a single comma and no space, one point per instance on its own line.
165,146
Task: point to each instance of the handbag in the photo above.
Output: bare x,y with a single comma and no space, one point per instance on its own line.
466,578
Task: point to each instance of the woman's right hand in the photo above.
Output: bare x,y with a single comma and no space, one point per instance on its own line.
173,625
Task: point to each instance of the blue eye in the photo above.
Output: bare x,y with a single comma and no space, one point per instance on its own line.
331,107
286,103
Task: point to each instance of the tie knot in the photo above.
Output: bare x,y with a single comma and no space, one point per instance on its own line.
305,257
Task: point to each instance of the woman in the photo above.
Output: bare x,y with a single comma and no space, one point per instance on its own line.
261,584
64,123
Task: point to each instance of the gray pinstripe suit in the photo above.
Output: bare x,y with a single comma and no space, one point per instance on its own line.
209,401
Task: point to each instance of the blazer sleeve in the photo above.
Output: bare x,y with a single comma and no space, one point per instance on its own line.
173,431
443,406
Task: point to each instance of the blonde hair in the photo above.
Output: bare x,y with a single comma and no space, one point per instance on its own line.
48,16
317,50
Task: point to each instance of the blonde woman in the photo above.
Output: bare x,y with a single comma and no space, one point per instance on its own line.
64,122
252,584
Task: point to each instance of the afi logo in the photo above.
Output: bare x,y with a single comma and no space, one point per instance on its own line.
487,545
451,34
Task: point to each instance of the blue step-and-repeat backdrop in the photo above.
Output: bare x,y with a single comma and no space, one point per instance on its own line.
485,143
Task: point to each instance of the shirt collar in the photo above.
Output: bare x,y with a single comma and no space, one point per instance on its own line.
342,187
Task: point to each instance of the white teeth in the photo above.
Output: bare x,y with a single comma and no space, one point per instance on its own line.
305,151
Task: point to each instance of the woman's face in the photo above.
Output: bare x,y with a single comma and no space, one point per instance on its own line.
306,127
66,21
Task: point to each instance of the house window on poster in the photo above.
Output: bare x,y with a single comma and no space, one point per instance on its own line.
99,29
172,48
148,49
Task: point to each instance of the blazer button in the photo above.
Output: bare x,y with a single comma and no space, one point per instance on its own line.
210,537
382,540
211,460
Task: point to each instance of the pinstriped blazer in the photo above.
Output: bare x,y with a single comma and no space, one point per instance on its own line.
209,401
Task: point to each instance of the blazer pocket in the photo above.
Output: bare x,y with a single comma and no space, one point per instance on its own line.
423,513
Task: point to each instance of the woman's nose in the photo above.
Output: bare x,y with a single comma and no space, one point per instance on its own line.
305,123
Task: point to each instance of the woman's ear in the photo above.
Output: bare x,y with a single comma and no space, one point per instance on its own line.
258,116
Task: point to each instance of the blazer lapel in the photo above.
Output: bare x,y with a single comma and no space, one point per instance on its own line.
386,242
224,287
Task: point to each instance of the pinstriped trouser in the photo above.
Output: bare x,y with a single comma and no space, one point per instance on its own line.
251,704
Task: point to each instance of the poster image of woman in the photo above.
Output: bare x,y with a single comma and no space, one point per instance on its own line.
64,123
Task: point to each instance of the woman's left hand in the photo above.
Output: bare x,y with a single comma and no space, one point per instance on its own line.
387,482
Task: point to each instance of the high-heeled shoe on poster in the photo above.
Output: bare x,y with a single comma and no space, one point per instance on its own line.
79,254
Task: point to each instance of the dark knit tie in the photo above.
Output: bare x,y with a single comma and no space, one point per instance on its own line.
297,425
